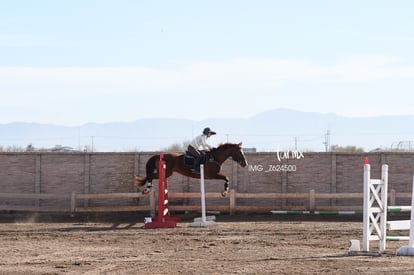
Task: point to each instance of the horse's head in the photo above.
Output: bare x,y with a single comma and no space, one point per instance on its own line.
238,155
232,150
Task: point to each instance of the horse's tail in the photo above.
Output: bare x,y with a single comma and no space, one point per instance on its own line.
149,169
140,181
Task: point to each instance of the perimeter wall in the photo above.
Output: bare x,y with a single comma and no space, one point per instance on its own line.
282,172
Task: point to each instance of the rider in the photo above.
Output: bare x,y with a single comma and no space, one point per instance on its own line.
198,147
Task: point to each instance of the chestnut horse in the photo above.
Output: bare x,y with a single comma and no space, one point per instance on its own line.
175,162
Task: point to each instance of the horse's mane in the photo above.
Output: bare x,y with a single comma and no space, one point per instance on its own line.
225,146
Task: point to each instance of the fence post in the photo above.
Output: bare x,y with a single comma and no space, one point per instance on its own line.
38,177
392,197
312,200
86,177
232,201
72,203
152,203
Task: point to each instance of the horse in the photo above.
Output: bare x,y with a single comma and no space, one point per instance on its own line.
175,162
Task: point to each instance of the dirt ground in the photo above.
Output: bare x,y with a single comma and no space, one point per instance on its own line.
270,244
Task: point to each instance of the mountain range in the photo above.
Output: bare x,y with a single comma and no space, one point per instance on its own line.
279,129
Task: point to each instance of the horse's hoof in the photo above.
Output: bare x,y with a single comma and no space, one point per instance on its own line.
224,194
146,191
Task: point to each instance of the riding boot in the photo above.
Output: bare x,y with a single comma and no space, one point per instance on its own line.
196,167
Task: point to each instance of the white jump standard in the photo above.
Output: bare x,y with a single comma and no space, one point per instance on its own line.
203,221
375,210
409,250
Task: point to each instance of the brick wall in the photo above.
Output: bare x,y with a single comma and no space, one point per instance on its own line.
114,172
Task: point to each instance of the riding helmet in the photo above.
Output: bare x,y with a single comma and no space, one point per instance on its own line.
208,130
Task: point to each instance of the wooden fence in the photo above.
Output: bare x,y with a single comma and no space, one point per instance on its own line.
230,203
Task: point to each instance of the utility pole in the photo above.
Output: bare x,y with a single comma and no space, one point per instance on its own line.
79,142
296,143
92,144
327,141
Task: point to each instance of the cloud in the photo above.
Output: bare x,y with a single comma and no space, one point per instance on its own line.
368,68
238,75
72,82
358,85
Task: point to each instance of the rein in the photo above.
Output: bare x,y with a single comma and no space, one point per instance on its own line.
216,152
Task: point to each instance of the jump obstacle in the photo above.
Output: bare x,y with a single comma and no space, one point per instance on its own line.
375,222
203,221
163,218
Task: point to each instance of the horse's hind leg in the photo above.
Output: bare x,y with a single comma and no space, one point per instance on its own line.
148,187
141,181
150,168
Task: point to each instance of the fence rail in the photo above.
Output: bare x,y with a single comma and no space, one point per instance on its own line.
230,203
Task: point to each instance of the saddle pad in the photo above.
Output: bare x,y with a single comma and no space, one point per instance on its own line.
188,160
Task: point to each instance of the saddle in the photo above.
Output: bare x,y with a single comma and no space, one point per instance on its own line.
189,159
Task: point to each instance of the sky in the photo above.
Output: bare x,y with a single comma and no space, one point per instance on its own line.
79,61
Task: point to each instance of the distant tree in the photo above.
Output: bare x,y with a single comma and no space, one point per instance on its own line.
30,148
346,149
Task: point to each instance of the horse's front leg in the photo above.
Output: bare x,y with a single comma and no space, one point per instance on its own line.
213,174
226,184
